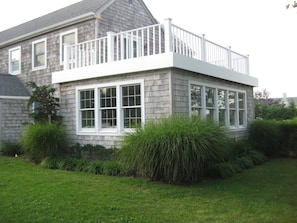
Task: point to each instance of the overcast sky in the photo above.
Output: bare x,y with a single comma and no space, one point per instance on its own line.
263,29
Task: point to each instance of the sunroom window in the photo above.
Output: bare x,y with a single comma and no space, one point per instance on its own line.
225,106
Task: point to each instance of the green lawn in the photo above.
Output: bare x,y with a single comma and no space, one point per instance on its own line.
29,193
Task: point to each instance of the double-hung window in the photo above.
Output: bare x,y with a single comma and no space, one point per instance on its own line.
131,100
15,60
110,109
70,38
39,54
87,109
225,106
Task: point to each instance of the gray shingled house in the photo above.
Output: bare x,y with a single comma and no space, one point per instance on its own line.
114,67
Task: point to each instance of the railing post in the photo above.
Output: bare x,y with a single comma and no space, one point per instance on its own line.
110,46
229,58
168,35
248,64
66,50
203,48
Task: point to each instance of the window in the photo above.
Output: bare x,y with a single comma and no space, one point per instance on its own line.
108,105
110,109
131,99
87,109
226,106
210,103
196,100
39,54
15,60
130,46
69,37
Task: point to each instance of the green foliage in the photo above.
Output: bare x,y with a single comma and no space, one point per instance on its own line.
265,136
175,150
46,105
267,111
11,149
241,156
274,138
44,139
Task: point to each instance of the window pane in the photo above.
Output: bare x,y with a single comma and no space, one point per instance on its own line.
241,100
232,99
209,114
241,117
87,99
221,99
15,57
87,119
132,117
39,54
109,118
222,116
209,96
232,117
196,96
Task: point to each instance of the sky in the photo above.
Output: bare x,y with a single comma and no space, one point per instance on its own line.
265,30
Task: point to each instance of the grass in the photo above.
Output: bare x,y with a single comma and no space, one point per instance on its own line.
30,193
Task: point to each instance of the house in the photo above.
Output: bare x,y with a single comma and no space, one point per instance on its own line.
115,67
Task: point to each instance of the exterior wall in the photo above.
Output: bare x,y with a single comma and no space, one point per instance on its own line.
13,115
180,92
85,31
156,99
123,15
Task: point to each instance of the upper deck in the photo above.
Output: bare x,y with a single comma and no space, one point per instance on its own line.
152,47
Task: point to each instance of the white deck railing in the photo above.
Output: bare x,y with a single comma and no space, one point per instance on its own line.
152,40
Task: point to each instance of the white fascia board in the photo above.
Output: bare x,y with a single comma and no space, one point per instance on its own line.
208,69
153,62
146,63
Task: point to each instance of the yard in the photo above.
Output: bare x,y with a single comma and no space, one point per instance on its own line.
30,193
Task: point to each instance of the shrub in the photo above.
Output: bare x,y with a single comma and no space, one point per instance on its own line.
176,150
95,167
112,168
11,149
44,139
265,136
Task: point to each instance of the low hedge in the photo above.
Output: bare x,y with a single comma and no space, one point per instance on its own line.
274,138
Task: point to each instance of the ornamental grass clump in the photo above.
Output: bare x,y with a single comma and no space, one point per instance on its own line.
42,140
175,150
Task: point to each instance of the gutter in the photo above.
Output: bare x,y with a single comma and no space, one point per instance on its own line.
56,26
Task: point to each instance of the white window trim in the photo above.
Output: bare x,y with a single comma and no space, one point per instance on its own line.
9,61
119,130
61,41
45,54
217,87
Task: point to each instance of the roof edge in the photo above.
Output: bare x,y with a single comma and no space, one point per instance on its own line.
72,21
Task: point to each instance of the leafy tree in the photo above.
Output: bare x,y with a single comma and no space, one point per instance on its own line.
268,108
45,105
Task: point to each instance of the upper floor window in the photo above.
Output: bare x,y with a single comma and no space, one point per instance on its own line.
69,37
226,106
39,54
15,60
